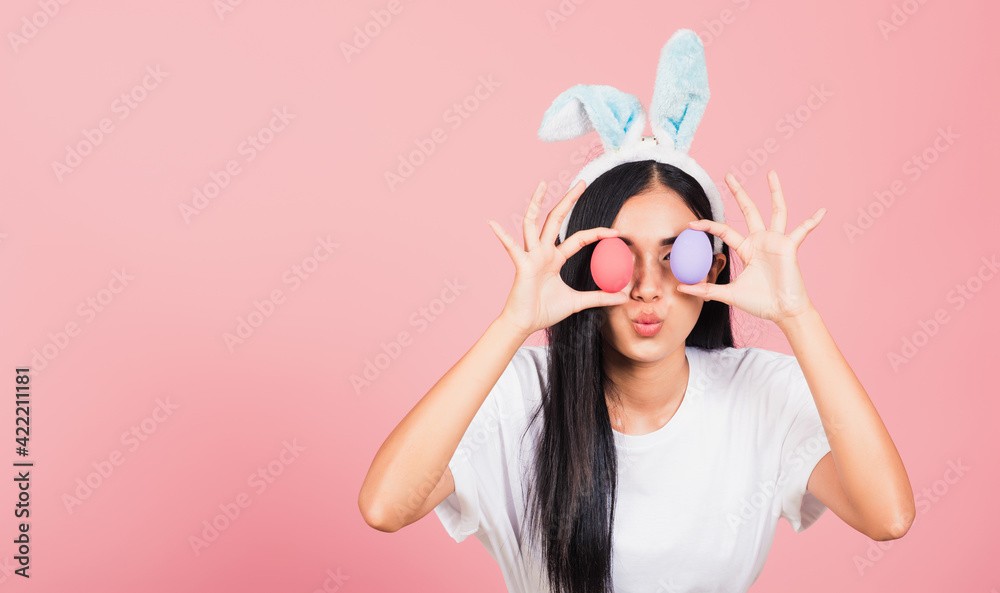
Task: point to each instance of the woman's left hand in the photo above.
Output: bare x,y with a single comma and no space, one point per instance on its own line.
770,286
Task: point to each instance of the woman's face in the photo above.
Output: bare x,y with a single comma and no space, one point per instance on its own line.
646,222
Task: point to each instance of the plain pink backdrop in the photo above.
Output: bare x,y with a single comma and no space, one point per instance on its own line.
391,250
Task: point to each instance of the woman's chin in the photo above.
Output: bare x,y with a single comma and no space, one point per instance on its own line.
642,349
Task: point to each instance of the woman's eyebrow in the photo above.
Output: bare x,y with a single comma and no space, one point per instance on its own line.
663,242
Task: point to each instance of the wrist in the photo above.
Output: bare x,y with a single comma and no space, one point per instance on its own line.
797,321
504,325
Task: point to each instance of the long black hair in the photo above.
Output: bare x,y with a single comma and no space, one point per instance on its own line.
571,499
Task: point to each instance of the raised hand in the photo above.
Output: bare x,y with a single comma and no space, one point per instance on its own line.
539,298
770,286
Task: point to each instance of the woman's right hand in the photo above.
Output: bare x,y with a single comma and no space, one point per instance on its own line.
539,297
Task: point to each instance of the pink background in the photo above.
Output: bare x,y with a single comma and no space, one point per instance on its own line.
392,251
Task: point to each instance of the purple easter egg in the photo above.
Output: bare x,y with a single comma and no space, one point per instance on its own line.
691,256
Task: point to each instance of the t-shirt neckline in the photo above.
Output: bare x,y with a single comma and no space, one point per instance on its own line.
632,441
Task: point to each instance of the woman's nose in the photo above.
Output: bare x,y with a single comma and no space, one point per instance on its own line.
649,276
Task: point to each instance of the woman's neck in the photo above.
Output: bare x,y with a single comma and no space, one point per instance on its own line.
650,392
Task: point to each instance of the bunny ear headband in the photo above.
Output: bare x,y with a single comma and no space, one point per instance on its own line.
679,98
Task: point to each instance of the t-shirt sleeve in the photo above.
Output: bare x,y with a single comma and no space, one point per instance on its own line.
805,443
480,465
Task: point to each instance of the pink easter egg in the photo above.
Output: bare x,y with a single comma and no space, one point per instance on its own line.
611,264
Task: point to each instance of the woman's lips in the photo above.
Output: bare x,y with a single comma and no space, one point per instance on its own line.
647,329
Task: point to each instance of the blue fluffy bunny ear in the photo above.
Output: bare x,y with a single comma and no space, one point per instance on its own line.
681,91
618,117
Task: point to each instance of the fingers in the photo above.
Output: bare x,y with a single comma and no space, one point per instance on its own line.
708,291
531,218
577,240
553,222
597,298
721,230
750,213
513,249
779,212
803,230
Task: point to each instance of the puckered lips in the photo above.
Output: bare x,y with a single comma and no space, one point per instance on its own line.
647,324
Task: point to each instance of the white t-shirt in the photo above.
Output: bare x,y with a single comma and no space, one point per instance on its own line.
698,499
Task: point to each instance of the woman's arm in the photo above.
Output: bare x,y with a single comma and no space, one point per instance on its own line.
414,457
411,463
866,468
866,485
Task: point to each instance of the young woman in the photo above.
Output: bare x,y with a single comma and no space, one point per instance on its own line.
639,450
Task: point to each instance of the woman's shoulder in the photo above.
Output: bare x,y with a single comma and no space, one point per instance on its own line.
739,368
520,384
532,357
530,363
745,359
770,362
